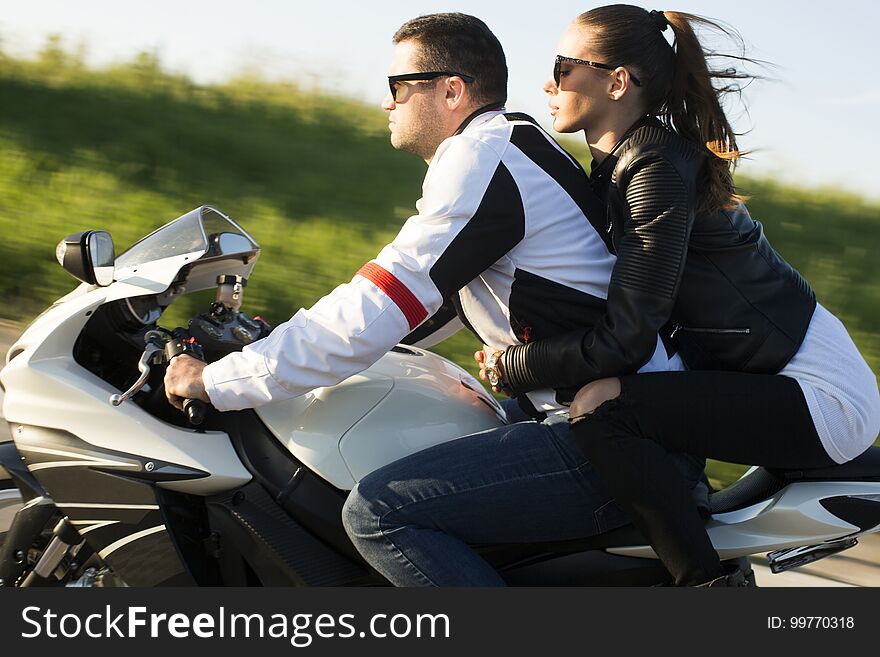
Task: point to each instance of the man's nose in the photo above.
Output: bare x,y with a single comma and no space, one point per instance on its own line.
388,102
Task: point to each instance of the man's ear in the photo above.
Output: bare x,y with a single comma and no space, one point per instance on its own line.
456,92
621,81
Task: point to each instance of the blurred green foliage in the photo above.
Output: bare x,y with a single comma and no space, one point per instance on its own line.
310,175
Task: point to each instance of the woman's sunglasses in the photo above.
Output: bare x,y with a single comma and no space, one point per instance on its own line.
561,59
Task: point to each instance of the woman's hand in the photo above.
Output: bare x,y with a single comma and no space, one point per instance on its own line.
481,357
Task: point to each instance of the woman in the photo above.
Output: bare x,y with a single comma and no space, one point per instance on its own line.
774,379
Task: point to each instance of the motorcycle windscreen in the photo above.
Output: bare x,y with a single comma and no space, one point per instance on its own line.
204,240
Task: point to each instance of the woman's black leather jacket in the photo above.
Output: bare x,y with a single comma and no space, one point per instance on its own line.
709,283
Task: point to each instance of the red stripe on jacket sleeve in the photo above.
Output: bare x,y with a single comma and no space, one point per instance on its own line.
399,293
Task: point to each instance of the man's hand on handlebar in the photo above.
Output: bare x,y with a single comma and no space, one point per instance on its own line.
183,380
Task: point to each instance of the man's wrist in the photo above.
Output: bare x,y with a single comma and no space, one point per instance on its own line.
208,383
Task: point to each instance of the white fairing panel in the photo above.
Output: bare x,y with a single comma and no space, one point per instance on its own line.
794,517
409,400
791,518
46,387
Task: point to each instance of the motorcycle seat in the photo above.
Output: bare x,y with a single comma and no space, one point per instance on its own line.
761,483
862,468
757,485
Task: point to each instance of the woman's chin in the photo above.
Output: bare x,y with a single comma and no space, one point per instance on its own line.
562,126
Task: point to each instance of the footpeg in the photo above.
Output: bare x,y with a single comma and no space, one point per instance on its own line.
783,560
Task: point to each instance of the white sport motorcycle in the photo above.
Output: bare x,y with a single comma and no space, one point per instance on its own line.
105,484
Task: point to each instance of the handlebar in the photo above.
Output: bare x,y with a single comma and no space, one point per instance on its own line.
160,350
222,330
196,410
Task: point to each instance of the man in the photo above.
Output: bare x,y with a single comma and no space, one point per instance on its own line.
503,241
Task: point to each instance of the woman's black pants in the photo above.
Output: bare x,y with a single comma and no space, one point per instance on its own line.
751,419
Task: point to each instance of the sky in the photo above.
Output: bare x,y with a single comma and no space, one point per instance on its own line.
813,125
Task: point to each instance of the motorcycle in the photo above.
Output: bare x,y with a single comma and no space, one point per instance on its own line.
105,484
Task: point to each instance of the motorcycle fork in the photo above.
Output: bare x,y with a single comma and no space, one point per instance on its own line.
27,527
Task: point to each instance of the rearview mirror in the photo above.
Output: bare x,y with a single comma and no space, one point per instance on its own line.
88,256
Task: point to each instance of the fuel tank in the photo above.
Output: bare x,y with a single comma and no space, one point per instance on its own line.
409,400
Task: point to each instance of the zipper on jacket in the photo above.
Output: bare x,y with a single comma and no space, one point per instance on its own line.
728,331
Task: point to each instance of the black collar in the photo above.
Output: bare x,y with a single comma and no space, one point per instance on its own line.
491,107
603,171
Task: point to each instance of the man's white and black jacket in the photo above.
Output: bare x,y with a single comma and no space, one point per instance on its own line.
508,239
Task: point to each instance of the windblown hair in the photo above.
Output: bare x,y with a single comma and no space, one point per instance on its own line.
678,84
461,43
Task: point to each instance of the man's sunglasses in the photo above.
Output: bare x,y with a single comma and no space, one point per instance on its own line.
560,59
414,77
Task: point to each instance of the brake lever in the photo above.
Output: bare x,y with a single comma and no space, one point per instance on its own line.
152,355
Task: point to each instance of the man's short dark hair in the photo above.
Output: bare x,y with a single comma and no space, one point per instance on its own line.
461,43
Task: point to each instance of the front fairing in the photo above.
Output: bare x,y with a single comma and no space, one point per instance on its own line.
46,387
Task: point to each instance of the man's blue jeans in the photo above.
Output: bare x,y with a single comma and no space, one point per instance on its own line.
413,520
